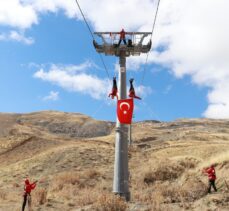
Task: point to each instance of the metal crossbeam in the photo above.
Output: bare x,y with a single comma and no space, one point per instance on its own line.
110,48
129,33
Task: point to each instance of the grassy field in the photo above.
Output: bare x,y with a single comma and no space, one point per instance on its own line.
72,156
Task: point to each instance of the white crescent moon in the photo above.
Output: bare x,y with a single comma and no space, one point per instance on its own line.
124,103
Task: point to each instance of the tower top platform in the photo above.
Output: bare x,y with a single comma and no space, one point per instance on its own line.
134,46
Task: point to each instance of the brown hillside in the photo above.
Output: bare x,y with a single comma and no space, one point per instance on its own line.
72,156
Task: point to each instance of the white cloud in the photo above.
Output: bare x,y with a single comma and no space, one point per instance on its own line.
24,13
193,36
20,38
117,14
53,96
143,91
76,82
219,101
198,46
72,69
16,36
41,6
74,78
16,14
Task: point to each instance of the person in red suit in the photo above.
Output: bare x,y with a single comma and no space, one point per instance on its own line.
132,91
210,172
114,92
122,37
28,187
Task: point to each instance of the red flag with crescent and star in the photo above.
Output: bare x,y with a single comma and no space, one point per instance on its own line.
125,110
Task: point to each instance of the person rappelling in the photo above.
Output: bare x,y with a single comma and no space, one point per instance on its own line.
28,187
122,37
132,91
114,90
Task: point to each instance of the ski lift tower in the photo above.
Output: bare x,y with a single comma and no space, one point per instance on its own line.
110,47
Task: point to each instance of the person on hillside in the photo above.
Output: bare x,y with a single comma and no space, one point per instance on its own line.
122,37
114,91
28,187
210,172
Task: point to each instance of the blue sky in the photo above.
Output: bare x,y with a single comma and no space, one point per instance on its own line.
57,43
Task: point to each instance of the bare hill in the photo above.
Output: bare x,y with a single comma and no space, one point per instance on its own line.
72,156
61,123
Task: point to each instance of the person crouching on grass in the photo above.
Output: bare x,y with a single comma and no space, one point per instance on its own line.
28,187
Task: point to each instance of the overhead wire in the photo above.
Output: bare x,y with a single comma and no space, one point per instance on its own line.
152,32
92,35
146,61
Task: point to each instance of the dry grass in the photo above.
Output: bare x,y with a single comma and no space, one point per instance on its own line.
40,196
86,196
3,195
217,159
67,178
79,180
168,170
110,202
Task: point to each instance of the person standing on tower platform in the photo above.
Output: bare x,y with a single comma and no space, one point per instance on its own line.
122,37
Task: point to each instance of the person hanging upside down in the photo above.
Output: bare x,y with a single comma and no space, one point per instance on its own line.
26,196
132,91
114,89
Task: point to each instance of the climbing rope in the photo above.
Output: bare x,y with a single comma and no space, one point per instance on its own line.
147,56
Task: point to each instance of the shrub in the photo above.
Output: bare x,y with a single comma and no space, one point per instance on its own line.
163,172
169,170
110,202
191,190
65,179
86,196
91,174
40,196
3,195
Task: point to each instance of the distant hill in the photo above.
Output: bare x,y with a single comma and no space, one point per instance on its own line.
61,123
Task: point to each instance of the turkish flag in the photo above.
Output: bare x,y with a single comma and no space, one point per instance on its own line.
125,110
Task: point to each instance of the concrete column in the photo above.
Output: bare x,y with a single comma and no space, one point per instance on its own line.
121,172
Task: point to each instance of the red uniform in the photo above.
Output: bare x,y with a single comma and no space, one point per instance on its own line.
122,34
122,37
132,94
27,190
29,187
211,178
211,173
114,92
132,91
